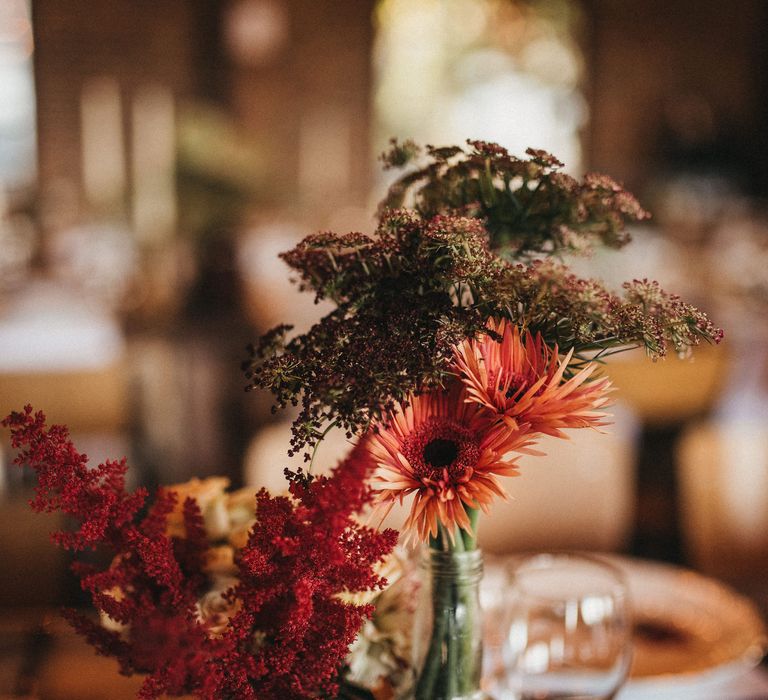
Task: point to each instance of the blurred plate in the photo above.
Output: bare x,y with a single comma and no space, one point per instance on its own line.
689,630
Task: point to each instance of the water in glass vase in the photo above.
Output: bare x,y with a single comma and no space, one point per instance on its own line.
447,642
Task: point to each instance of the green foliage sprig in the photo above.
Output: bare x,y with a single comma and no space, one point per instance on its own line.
528,205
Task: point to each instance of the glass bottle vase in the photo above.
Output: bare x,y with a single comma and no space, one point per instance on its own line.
447,640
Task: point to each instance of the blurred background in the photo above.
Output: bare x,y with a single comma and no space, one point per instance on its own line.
156,155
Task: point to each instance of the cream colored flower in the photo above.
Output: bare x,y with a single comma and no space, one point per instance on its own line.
214,609
225,515
241,507
380,656
108,622
210,495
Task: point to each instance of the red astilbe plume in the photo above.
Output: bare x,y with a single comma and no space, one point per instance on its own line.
292,627
147,593
94,497
301,554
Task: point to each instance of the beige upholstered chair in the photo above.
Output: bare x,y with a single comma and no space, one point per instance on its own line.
580,495
672,389
723,474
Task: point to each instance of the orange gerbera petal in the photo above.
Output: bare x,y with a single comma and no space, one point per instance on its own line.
521,380
447,452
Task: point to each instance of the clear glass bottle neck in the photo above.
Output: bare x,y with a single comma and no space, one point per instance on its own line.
466,567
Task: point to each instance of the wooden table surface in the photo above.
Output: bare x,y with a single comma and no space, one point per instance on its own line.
41,657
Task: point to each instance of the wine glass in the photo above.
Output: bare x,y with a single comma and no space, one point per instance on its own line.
568,628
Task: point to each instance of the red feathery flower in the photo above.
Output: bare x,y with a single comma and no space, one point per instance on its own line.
520,380
300,555
291,630
448,453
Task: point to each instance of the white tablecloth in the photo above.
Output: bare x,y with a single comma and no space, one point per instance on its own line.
750,686
46,329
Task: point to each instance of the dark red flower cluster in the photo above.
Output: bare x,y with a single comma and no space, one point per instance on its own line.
300,555
428,279
292,630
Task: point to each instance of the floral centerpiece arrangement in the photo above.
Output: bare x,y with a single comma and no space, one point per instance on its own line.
458,339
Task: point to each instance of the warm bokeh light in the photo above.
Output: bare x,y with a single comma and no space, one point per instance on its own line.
509,72
17,97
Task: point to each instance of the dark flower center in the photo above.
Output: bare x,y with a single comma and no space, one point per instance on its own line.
440,453
441,446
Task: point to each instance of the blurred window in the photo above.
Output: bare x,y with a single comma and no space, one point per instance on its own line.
17,96
507,71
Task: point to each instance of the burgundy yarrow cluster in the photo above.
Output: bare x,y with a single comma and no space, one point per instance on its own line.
292,629
470,234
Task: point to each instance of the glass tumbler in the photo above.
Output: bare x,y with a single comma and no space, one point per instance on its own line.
568,628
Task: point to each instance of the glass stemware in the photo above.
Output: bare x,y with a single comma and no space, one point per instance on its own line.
568,629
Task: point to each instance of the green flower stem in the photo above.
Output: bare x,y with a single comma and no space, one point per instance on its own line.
425,687
430,673
470,543
470,538
458,541
317,444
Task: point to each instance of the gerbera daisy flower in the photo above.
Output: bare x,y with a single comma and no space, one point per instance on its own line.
521,380
445,451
